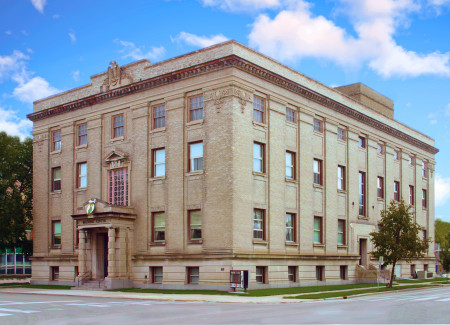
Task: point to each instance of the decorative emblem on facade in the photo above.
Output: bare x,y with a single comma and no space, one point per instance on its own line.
219,95
91,206
116,77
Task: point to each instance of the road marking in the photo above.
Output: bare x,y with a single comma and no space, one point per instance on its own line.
98,305
36,302
445,299
19,311
5,314
427,298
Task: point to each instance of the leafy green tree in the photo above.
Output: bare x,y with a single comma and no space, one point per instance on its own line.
397,237
441,231
16,161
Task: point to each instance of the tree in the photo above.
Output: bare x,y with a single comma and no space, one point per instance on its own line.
398,237
16,161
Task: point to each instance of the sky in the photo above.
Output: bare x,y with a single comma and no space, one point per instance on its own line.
400,48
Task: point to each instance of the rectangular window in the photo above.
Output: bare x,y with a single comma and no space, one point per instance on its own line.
290,227
411,160
396,154
195,156
412,270
425,267
341,232
193,274
396,191
411,195
424,169
118,186
196,108
318,125
56,179
342,134
118,126
56,233
343,272
380,187
82,175
55,272
157,274
56,138
424,198
261,274
158,226
82,134
424,234
258,109
362,142
290,115
258,224
159,116
320,270
195,224
159,162
380,149
362,194
317,171
258,157
341,178
318,230
292,273
290,165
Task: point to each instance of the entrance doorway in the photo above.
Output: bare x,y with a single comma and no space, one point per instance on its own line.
102,255
363,252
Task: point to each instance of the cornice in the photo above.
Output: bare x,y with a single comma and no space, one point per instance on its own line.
231,61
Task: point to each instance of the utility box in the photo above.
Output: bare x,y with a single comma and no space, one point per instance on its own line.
239,279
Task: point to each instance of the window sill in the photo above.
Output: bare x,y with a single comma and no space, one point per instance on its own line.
81,189
260,242
342,246
318,245
363,218
158,243
81,147
55,247
195,241
157,178
319,186
291,123
158,130
424,178
319,133
195,173
291,243
263,125
259,174
196,122
381,199
55,152
290,180
362,149
56,193
342,191
343,141
117,139
424,208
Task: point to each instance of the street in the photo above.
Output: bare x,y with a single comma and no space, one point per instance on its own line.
418,306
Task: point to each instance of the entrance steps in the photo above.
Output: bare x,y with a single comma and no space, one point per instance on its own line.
98,285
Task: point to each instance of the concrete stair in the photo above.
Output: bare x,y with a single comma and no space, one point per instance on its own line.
98,285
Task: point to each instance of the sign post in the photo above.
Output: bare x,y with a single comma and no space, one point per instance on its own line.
379,271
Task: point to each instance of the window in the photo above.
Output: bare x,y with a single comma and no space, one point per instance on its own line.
411,160
258,157
290,165
158,226
118,186
193,274
261,274
157,274
317,230
341,232
258,224
13,261
380,149
362,142
343,272
320,270
118,126
195,156
82,175
159,116
56,179
380,187
82,134
318,125
317,171
424,234
411,195
342,134
412,270
425,267
424,169
424,198
196,108
396,154
292,273
362,194
54,273
290,227
56,141
159,162
396,191
341,178
56,233
258,109
290,115
195,224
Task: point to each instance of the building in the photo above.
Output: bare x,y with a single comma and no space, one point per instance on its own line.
169,175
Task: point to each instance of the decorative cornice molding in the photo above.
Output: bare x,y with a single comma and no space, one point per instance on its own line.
244,65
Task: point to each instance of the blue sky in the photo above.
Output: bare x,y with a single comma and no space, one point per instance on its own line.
401,48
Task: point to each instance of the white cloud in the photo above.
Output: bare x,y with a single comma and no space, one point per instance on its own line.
13,125
441,189
56,16
375,23
76,75
242,5
39,5
13,63
72,36
130,50
439,2
33,89
200,41
8,32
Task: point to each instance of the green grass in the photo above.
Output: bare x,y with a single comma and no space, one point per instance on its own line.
354,292
174,292
35,286
422,280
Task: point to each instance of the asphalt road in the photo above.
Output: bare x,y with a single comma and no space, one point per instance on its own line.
411,307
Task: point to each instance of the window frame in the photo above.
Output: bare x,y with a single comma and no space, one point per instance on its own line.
380,187
154,228
318,125
343,272
56,235
411,160
262,222
290,115
424,199
155,163
320,273
318,231
257,112
156,119
82,134
190,225
193,111
397,191
318,180
80,175
292,273
396,155
341,178
411,197
190,165
362,143
56,140
56,182
112,187
380,149
154,274
190,274
292,166
54,273
261,274
343,232
116,135
362,197
262,159
424,169
291,229
341,134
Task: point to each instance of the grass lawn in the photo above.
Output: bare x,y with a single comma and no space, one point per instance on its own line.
354,292
440,280
34,286
175,292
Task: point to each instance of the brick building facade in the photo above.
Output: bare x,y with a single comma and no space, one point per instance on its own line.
173,174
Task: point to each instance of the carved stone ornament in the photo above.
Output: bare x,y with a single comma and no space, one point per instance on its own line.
219,95
116,159
116,77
